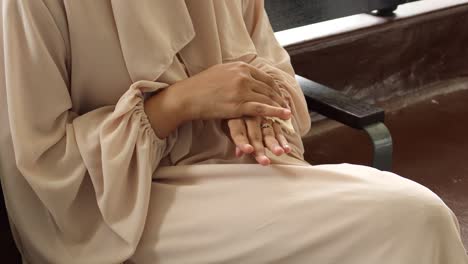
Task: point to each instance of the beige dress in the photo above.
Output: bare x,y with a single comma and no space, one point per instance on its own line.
86,180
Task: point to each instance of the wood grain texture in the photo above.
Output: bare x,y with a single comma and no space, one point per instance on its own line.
389,60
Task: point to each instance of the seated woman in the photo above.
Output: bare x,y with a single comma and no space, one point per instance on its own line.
133,132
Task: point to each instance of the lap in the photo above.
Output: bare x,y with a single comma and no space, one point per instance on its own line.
263,214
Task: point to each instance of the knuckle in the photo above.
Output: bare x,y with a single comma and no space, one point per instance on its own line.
240,135
259,109
273,96
277,128
239,139
269,133
269,140
238,111
270,79
242,65
256,137
241,79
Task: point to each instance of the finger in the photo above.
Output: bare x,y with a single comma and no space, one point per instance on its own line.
262,76
238,133
260,98
269,138
281,138
256,139
239,152
276,96
270,86
265,78
250,108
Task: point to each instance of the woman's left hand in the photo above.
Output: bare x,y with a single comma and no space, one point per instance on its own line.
252,135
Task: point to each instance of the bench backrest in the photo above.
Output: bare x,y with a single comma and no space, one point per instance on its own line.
285,14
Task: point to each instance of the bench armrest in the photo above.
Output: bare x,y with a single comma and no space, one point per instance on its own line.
335,105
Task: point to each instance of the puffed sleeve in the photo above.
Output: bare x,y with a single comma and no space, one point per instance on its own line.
274,60
92,173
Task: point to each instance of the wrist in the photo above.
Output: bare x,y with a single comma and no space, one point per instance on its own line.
184,108
164,112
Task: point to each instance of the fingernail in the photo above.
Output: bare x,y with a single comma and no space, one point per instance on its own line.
248,148
238,152
287,148
265,161
286,111
279,150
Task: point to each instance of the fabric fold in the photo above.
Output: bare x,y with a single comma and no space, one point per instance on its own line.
140,25
217,24
121,160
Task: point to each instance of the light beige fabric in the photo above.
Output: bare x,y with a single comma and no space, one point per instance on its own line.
86,180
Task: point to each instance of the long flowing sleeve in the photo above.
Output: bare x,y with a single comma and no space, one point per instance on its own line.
92,173
274,60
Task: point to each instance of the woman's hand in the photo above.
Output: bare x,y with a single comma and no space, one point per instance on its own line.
229,91
223,91
253,134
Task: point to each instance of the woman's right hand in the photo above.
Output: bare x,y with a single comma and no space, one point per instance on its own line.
228,91
224,91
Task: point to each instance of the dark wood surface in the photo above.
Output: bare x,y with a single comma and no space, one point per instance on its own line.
9,253
334,105
285,14
391,59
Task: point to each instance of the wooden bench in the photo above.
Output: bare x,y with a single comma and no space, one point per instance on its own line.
289,14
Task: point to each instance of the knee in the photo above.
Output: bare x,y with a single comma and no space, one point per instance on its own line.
413,207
